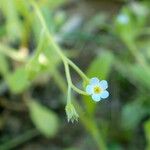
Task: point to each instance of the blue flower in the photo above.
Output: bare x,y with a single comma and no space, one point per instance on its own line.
123,19
97,89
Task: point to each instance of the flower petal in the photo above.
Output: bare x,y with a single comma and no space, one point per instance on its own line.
103,84
123,19
94,81
96,97
89,89
104,94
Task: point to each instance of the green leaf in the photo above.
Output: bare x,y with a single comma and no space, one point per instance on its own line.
135,73
147,133
42,62
129,17
45,120
18,81
51,3
132,114
140,75
4,66
100,67
13,24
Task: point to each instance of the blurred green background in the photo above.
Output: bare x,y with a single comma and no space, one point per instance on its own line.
108,39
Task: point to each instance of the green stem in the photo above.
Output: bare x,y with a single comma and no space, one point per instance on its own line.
138,56
78,70
78,90
51,40
41,41
54,45
89,124
69,94
70,81
67,71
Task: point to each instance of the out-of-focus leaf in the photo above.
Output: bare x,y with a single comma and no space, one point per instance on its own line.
71,148
147,133
18,81
141,75
129,17
124,24
100,67
115,146
44,60
23,7
98,21
4,67
45,120
135,73
132,114
13,25
51,3
141,11
2,30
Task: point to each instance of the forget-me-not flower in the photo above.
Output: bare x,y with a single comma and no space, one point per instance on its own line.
123,19
97,89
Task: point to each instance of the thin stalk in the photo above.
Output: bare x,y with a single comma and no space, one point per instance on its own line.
78,90
69,94
78,70
88,123
138,56
51,40
53,43
70,81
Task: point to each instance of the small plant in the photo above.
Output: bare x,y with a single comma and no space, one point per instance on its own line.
95,88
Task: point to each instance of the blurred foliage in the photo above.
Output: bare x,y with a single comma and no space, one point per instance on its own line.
147,132
110,43
45,120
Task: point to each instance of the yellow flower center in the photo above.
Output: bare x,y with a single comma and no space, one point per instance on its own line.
97,90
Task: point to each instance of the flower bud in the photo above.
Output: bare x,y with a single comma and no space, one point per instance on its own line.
71,112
